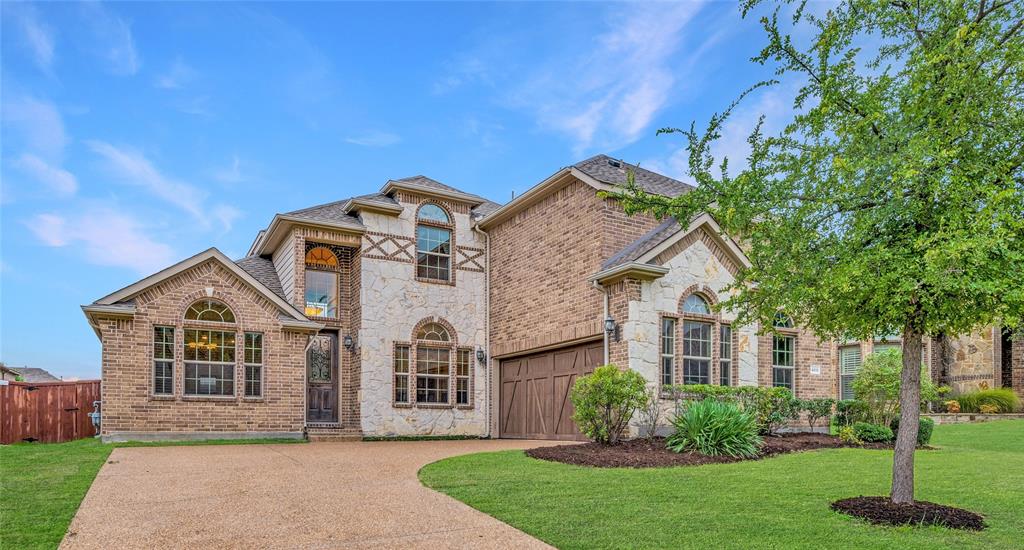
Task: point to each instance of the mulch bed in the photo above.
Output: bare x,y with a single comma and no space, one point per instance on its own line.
641,453
882,511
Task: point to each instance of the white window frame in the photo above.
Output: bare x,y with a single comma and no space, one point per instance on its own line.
163,361
246,364
777,366
668,351
725,354
707,359
850,360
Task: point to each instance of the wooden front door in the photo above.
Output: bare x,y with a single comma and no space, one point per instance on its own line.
322,379
535,391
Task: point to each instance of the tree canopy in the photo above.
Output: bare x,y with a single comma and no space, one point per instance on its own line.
894,198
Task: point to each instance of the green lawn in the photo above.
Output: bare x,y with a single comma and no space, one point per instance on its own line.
41,485
780,502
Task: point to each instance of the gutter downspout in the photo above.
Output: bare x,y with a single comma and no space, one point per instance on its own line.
603,331
487,323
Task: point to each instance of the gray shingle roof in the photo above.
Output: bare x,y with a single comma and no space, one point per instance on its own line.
644,244
378,198
34,374
262,269
484,208
603,168
332,212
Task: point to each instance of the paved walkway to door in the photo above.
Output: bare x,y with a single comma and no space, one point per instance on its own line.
316,495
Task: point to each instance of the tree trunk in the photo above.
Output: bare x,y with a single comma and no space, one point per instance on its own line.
910,413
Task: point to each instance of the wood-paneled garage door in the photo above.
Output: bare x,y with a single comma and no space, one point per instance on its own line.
535,391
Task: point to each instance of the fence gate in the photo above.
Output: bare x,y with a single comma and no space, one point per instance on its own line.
49,412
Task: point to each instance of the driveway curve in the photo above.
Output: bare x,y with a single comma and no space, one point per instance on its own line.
316,495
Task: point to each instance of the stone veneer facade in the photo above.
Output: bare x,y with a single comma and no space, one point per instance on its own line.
520,285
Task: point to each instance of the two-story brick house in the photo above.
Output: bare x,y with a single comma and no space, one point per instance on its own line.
425,310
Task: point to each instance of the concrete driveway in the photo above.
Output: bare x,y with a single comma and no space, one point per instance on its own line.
317,495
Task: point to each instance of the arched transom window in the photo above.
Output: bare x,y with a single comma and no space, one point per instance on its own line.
433,243
321,256
433,331
209,310
695,303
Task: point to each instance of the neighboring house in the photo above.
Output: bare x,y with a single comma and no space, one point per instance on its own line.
33,374
422,309
8,374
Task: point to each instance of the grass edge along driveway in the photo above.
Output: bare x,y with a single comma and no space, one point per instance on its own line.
43,484
779,502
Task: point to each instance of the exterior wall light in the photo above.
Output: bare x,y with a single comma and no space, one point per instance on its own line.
348,342
481,356
611,328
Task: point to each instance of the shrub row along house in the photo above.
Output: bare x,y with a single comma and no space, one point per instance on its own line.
422,309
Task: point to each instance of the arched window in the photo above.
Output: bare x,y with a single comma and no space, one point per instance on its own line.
433,331
433,243
694,303
321,256
209,310
782,321
433,213
442,372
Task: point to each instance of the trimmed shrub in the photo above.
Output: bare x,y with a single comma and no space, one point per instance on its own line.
872,432
847,435
605,401
1003,399
849,412
816,409
878,384
925,426
714,428
772,407
953,406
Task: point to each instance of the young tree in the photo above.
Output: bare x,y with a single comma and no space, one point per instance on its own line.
893,201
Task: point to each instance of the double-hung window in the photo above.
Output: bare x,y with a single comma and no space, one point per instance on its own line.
432,374
253,364
433,243
696,352
163,360
401,362
849,366
668,350
209,362
783,361
725,355
463,366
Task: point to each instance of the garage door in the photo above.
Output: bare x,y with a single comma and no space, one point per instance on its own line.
535,391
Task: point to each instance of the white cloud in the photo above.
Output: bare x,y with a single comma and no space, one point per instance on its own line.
179,75
105,237
51,229
55,178
232,174
775,103
135,169
602,90
226,215
375,139
38,123
37,37
112,39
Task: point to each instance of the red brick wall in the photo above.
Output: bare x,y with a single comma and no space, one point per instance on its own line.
809,351
539,292
128,403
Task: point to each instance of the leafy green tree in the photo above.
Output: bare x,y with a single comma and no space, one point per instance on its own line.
893,201
878,385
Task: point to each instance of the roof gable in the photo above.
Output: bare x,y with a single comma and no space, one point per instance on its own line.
116,299
670,238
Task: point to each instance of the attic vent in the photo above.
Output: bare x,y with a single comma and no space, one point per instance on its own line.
614,163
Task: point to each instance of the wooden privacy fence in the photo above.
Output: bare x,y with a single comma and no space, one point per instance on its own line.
50,412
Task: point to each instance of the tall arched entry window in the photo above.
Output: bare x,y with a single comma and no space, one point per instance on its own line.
433,243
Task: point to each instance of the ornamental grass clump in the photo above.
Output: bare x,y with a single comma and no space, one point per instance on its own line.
1002,399
714,428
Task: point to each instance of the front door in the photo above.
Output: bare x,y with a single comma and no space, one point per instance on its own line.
322,379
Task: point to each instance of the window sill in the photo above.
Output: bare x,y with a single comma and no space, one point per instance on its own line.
253,399
162,398
402,405
465,407
435,281
220,398
433,406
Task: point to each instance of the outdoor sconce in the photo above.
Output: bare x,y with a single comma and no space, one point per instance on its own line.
611,328
348,342
481,357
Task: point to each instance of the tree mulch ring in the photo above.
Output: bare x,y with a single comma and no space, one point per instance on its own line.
882,511
644,453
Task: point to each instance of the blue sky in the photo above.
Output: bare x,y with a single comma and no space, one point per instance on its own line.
137,134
